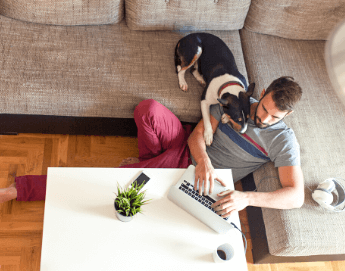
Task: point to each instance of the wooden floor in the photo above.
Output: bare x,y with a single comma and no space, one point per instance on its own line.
21,223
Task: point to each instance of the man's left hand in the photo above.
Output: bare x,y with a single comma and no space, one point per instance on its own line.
233,201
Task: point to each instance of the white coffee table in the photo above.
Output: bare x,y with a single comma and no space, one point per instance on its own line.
81,231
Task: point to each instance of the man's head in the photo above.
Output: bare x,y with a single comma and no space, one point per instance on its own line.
277,101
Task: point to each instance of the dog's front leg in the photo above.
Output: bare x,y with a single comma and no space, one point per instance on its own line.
208,132
181,70
181,80
197,75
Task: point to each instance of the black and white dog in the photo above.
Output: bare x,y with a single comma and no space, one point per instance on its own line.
213,65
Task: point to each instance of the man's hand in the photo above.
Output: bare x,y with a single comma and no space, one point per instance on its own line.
204,171
290,196
204,174
233,201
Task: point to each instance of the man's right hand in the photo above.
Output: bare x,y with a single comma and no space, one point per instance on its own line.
205,176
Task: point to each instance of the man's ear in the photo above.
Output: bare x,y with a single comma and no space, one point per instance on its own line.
262,93
289,113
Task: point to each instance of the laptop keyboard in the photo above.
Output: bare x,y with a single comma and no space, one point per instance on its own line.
205,200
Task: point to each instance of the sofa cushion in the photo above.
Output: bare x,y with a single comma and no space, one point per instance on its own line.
186,15
295,19
64,12
95,71
318,123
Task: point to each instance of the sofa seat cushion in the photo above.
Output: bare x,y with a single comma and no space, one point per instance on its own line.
64,12
95,71
318,123
186,15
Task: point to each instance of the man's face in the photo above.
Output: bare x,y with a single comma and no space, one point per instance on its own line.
267,114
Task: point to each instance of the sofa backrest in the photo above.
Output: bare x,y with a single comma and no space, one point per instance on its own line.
186,14
295,19
64,12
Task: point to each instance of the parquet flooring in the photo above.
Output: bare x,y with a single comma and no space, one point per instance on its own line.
21,223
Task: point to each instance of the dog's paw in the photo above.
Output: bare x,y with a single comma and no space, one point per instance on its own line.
225,118
182,82
199,78
208,137
202,82
183,86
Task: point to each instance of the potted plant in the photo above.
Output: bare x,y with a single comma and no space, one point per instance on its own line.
128,201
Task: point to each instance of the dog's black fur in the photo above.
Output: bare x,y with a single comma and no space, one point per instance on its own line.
210,58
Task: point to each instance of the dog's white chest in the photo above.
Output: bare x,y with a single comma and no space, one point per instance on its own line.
213,88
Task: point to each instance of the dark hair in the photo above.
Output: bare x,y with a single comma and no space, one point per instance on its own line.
285,93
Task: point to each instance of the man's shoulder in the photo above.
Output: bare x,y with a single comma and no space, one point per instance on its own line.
215,106
275,137
284,148
215,110
280,129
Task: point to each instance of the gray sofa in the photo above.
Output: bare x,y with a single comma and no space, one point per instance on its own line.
81,67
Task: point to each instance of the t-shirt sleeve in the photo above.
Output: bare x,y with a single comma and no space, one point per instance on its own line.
216,111
286,150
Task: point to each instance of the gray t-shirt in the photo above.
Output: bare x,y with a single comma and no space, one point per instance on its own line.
244,153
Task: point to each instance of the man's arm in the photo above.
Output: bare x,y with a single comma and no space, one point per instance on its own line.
289,197
204,169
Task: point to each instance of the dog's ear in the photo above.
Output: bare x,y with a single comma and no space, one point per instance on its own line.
223,101
244,100
250,90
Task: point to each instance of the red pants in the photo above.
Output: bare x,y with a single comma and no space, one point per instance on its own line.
162,143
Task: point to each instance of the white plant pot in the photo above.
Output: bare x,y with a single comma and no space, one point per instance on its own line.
122,217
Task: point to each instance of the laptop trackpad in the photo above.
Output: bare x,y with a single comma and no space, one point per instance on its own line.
217,188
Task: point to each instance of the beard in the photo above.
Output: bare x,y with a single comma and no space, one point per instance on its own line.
260,124
257,120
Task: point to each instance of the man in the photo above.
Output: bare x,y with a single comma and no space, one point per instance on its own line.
266,139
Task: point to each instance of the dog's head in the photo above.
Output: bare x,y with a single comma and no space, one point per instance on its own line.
237,109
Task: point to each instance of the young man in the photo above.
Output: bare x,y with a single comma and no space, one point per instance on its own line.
266,139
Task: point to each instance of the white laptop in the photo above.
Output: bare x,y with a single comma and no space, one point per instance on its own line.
184,195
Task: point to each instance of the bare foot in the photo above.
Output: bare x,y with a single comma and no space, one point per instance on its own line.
129,161
8,193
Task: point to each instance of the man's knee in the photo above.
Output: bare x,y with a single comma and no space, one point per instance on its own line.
147,107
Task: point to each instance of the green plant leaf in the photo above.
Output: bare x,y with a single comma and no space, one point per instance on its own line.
130,200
